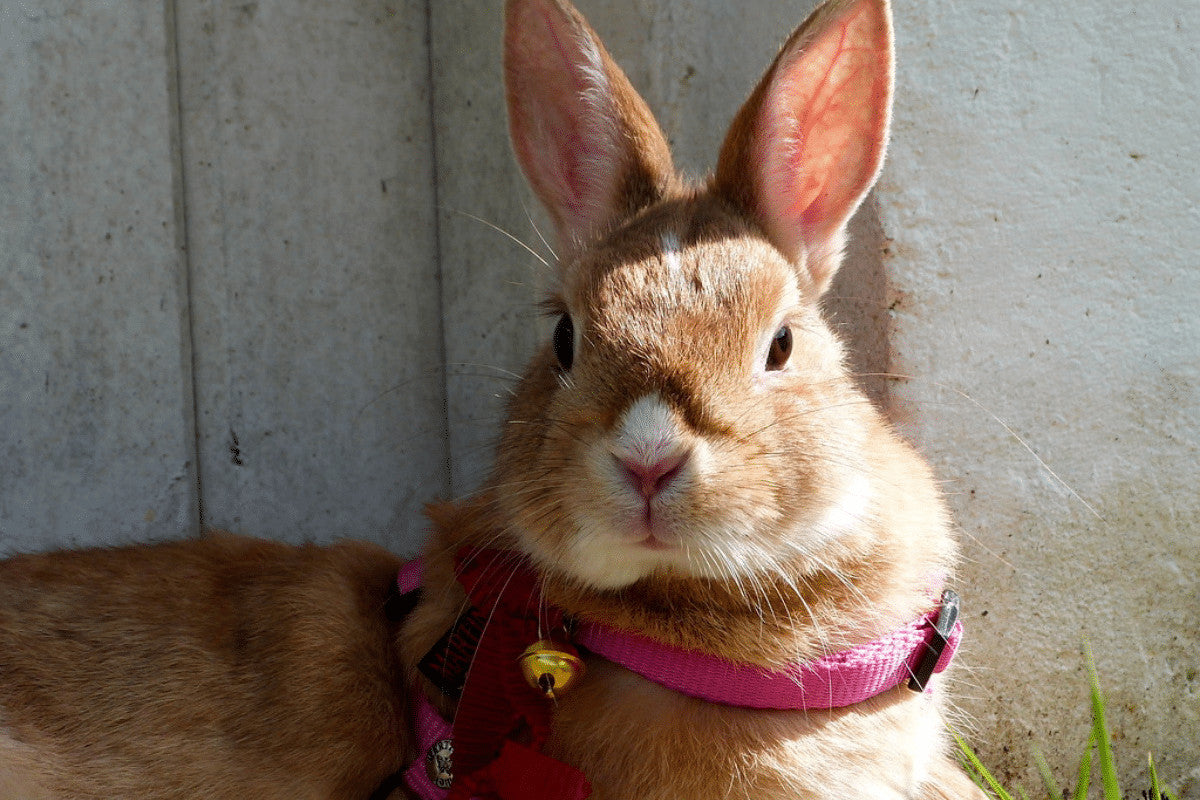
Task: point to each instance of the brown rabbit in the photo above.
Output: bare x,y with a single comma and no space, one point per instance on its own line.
686,462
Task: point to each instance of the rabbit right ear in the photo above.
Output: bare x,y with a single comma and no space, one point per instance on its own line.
585,139
807,146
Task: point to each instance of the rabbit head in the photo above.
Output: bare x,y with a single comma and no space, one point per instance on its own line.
691,417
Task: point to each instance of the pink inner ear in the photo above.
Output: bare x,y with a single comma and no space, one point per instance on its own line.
824,124
560,115
563,146
556,151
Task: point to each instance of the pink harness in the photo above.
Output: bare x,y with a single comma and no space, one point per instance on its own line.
840,679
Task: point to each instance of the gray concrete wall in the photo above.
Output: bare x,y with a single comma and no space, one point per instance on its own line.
306,152
1042,204
219,286
96,414
249,278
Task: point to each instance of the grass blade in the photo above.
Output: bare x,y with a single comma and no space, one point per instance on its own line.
1048,782
1156,790
1108,766
1083,778
979,768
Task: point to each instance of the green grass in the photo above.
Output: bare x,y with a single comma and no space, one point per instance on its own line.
1098,752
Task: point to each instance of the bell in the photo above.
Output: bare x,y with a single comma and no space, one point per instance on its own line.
551,667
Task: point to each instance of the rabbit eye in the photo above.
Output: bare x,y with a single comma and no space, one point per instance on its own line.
564,341
781,349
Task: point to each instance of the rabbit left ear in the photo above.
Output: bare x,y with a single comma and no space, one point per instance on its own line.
585,139
808,145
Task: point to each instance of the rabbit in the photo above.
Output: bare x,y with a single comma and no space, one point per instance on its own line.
686,459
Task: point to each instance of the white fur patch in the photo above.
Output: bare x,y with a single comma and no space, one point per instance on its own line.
670,245
608,562
601,135
849,511
647,432
676,280
593,66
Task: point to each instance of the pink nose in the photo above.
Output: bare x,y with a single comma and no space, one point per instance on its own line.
650,479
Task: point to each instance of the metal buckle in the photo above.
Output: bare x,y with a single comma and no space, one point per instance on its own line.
947,615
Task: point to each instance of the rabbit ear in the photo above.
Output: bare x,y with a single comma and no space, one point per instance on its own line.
807,146
586,140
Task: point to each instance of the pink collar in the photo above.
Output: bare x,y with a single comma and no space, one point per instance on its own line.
912,653
833,681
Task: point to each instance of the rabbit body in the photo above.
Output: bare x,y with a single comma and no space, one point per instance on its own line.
686,458
221,667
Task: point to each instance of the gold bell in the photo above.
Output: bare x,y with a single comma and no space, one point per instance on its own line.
551,667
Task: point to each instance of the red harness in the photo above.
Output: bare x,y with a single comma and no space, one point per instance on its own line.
502,723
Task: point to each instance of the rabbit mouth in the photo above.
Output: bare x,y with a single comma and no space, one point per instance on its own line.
650,528
648,534
654,543
686,536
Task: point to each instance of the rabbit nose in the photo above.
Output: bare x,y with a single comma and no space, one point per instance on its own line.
650,479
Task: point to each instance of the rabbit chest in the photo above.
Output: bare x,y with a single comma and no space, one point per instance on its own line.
689,724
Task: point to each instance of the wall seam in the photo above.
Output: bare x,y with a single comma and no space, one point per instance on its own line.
179,189
439,278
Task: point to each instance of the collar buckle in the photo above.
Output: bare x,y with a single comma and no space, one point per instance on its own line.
948,610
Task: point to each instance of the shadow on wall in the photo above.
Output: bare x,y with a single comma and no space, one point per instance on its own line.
857,308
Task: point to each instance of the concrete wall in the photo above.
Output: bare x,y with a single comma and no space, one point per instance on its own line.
244,283
219,283
1041,203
